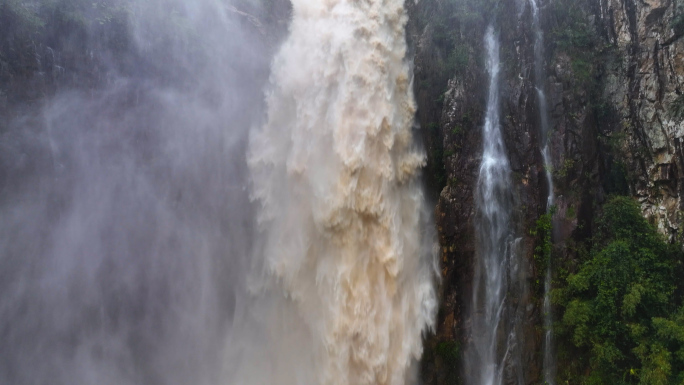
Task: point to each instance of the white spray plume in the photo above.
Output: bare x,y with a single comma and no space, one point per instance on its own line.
128,249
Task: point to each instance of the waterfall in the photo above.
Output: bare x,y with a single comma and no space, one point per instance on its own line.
165,221
493,338
347,257
549,356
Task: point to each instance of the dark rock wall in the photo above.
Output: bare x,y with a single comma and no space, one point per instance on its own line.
644,86
451,116
614,84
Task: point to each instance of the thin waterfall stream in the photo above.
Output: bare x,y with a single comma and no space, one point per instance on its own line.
493,334
549,362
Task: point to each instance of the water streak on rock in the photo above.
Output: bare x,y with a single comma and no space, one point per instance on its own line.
549,361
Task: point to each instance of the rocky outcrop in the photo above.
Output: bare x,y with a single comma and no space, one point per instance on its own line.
644,85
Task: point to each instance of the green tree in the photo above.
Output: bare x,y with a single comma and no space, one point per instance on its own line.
621,306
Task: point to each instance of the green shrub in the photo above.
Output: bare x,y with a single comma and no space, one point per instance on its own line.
678,24
458,59
677,108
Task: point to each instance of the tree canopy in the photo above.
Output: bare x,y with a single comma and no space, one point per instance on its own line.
623,306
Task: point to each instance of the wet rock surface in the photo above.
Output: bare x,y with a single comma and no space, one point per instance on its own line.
614,75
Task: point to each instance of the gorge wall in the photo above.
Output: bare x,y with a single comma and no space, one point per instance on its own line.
614,74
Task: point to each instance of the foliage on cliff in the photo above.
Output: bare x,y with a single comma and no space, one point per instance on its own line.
623,319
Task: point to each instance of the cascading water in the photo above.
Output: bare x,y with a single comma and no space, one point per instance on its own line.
549,356
493,336
129,252
347,258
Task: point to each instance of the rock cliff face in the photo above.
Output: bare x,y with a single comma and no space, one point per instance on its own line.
451,116
614,79
643,84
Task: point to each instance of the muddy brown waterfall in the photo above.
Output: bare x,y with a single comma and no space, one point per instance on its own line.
346,247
